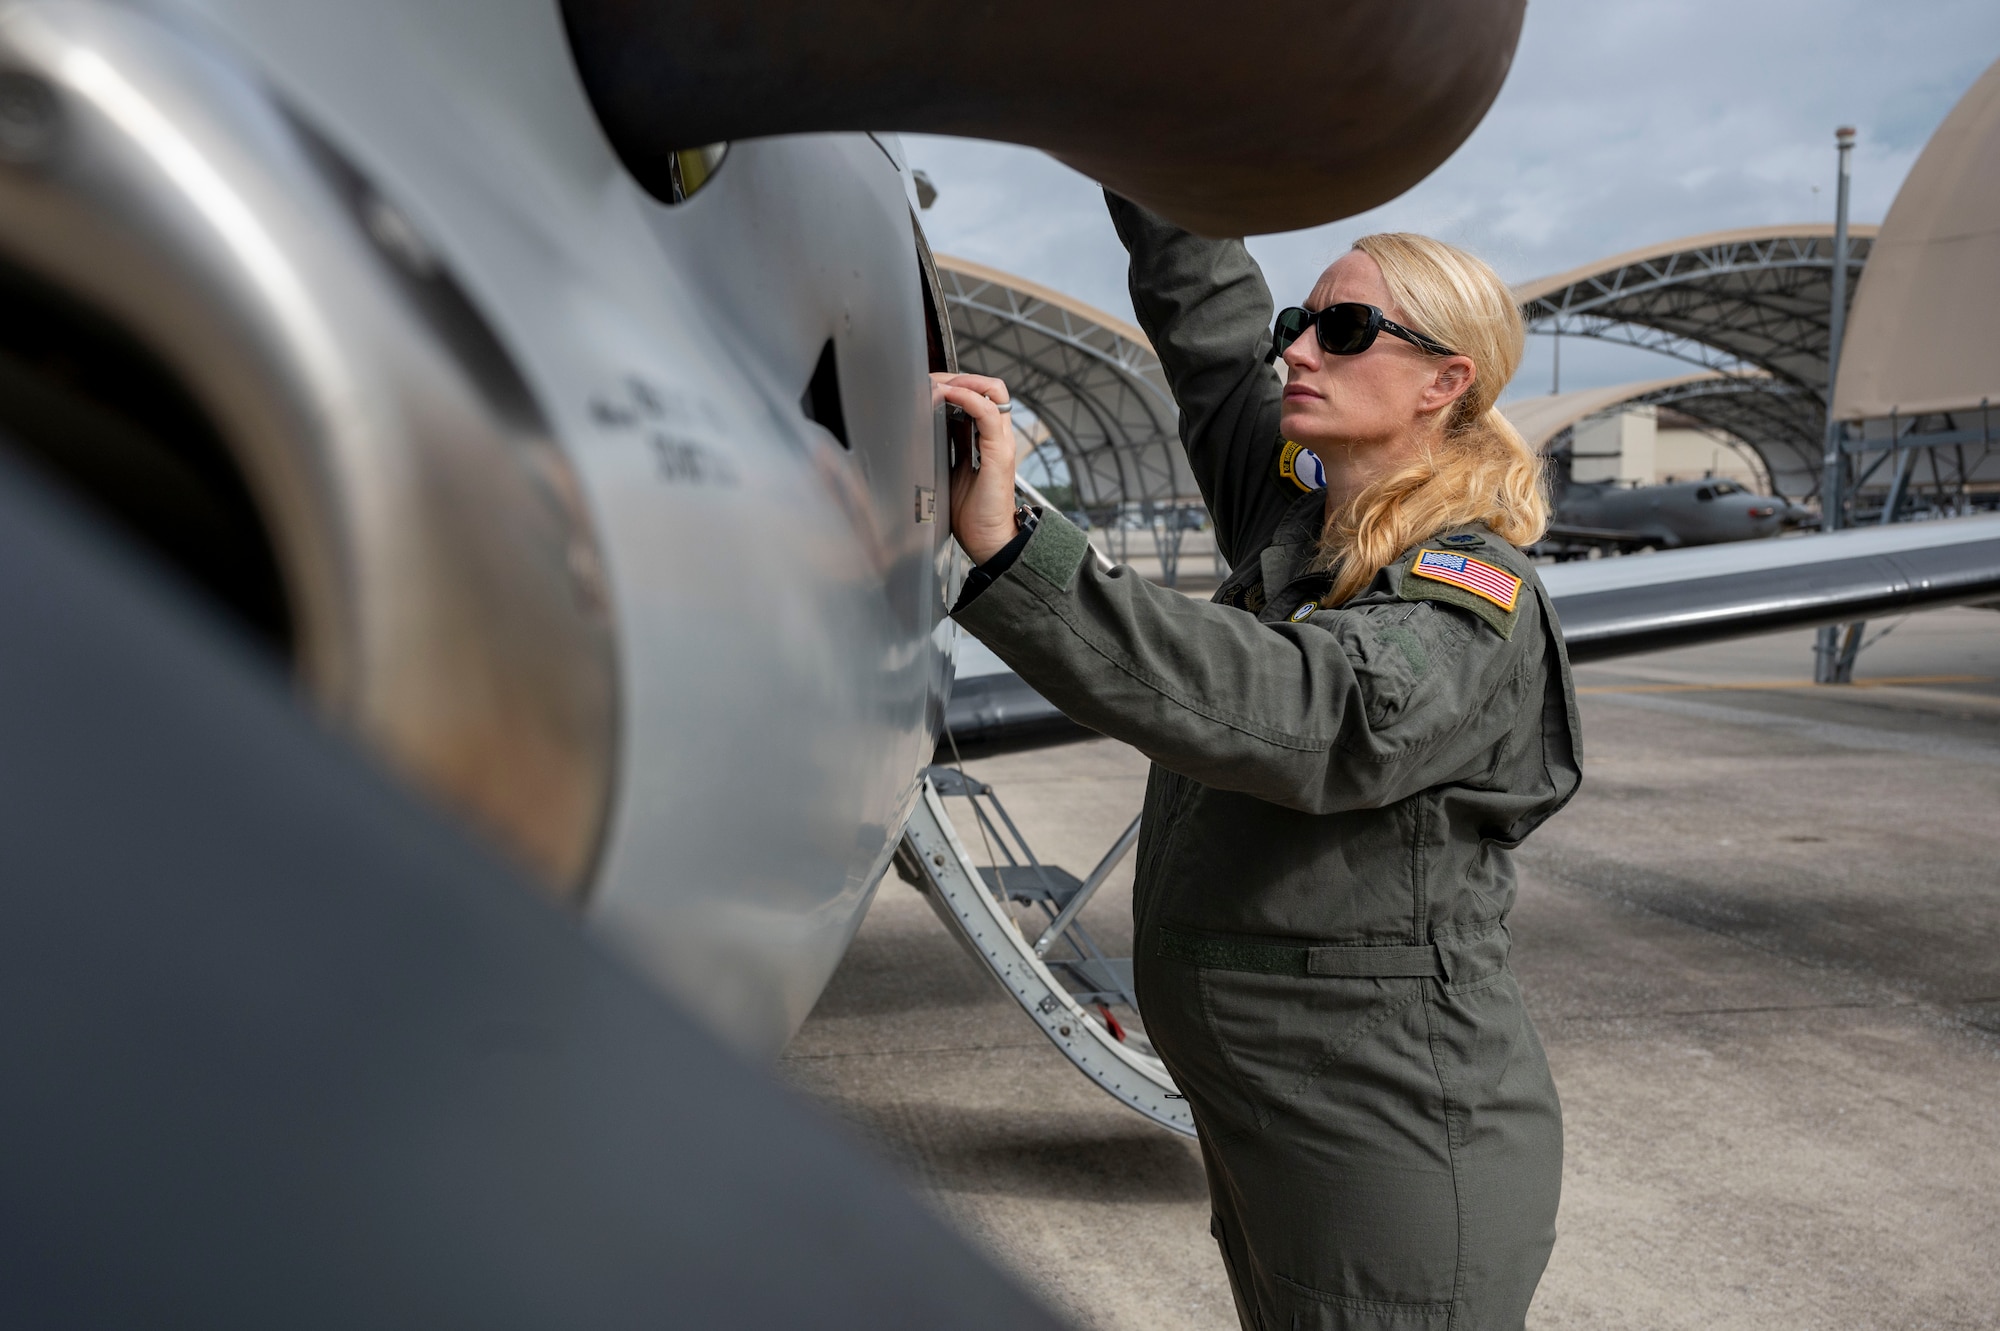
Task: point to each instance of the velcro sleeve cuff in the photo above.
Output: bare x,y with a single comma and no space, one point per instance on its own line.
1055,551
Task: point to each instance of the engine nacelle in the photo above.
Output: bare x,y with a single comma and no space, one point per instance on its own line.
437,584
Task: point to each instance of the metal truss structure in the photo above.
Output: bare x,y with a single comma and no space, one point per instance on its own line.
1919,369
1898,468
1734,302
1939,464
1751,308
1097,392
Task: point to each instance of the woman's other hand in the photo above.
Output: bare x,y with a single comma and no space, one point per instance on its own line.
982,502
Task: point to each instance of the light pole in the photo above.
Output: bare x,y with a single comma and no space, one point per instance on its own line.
1826,650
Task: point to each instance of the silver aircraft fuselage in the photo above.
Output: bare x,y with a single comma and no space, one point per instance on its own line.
561,539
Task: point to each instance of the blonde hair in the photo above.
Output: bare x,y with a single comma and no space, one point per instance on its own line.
1480,469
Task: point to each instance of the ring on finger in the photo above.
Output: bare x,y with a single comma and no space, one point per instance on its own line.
1004,408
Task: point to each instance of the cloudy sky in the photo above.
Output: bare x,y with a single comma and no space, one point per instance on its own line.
1624,122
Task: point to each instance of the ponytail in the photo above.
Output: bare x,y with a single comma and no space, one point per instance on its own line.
1479,469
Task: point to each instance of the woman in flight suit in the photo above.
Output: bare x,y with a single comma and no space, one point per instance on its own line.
1375,708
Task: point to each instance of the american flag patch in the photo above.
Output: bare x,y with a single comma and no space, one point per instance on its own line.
1474,575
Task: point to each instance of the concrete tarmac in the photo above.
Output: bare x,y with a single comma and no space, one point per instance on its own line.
1762,947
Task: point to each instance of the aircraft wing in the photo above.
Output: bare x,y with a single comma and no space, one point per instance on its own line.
1615,607
1002,713
1642,603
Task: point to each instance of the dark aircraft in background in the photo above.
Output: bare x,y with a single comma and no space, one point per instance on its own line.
1612,517
1609,516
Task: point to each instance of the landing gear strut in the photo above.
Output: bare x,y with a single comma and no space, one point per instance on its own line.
1071,994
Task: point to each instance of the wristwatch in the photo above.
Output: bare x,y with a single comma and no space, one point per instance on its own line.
1026,519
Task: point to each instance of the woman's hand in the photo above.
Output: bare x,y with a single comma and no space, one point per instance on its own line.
982,502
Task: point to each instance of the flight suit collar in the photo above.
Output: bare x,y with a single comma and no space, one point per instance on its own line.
1475,539
1292,544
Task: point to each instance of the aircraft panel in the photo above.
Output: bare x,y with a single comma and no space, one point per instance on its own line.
730,428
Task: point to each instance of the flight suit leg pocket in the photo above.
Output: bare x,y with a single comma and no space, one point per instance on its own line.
1302,1308
1348,1188
1278,1034
1234,1267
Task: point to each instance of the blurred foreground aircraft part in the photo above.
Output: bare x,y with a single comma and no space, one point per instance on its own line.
204,296
1172,105
283,1049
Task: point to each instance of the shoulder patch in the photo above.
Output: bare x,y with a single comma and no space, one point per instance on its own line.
1462,540
1474,575
1301,466
1488,591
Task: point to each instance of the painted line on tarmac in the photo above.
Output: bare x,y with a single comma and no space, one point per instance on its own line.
1763,1010
899,1053
1838,734
1891,681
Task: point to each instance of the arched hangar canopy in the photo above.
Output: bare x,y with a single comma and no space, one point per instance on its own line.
1755,299
1925,333
1091,379
1542,420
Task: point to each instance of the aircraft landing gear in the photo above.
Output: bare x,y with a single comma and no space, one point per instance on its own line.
1070,995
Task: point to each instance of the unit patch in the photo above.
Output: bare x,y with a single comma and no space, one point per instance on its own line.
1462,540
1301,466
1473,575
1304,612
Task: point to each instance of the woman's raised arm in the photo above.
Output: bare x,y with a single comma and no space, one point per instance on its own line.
1358,707
1207,310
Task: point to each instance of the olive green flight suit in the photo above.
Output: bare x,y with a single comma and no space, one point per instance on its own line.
1323,879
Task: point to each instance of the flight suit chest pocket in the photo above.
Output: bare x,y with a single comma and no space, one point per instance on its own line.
1402,654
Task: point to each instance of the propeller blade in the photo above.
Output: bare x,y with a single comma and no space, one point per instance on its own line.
1228,122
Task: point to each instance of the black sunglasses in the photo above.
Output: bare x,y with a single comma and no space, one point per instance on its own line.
1346,329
